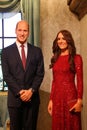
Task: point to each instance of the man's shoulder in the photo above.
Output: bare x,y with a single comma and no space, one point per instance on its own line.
9,49
33,47
10,46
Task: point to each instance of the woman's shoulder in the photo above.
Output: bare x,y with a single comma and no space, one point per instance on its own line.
78,58
34,48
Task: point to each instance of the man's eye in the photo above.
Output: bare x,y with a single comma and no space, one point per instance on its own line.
25,30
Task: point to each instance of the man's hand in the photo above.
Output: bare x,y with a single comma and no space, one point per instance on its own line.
25,95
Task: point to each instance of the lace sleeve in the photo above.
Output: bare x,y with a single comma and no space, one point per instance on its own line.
79,75
52,89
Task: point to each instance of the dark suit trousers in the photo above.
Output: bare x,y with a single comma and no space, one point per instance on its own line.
24,117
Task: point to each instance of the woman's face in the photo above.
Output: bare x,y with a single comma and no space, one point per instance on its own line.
62,44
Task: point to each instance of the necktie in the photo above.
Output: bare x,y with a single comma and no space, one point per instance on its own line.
23,55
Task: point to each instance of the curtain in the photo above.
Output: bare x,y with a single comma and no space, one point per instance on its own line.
31,12
9,8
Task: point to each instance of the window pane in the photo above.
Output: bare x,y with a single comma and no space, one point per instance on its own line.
0,55
10,24
0,27
1,79
9,41
7,37
0,43
5,86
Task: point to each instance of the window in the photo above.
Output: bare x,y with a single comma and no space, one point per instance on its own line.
7,37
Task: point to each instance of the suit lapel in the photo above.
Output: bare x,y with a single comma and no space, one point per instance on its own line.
28,56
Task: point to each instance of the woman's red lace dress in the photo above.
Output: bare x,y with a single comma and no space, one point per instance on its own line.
65,89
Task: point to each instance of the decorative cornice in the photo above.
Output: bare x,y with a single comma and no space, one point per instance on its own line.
78,7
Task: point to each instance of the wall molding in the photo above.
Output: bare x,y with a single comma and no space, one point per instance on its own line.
78,7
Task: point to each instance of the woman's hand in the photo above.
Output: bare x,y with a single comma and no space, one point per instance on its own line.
50,106
77,107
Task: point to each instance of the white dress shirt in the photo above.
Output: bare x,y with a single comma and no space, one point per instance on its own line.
19,48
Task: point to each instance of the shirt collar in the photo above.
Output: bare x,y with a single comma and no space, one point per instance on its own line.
19,44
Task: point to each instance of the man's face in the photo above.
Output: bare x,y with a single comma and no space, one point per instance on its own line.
22,32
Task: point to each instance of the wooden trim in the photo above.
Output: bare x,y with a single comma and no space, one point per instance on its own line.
3,93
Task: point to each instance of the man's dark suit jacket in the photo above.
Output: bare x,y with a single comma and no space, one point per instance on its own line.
17,78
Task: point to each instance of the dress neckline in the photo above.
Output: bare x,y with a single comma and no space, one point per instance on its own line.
64,55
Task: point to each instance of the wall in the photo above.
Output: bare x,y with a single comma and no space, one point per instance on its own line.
83,31
54,16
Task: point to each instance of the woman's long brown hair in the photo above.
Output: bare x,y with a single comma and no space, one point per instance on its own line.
57,51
